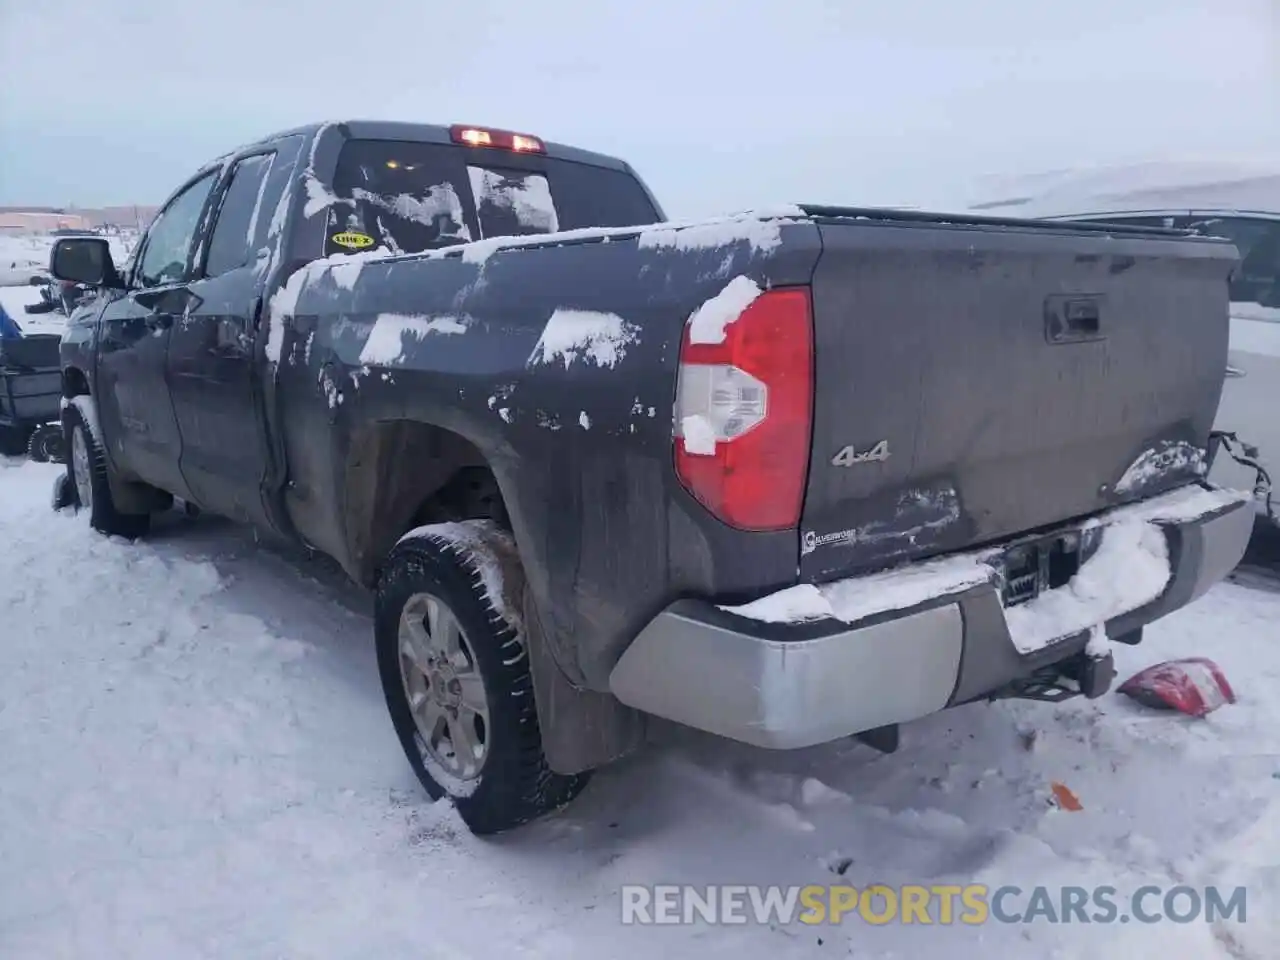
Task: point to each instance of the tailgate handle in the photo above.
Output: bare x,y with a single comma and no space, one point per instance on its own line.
1071,318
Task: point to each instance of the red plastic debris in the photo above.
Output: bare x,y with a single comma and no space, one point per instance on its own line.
1065,797
1195,686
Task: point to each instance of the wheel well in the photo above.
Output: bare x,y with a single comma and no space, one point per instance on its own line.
74,383
402,474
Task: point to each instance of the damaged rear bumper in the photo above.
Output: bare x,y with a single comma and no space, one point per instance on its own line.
814,664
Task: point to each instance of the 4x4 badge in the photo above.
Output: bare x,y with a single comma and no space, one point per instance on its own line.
848,456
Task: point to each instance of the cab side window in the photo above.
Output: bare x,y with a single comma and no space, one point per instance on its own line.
168,243
242,217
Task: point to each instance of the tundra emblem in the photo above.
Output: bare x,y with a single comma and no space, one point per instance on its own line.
848,456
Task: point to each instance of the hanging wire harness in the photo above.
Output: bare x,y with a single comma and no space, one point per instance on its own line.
1245,454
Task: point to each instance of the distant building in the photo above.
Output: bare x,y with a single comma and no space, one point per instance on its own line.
38,221
26,220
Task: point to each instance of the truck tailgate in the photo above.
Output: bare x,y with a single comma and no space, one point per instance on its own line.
978,379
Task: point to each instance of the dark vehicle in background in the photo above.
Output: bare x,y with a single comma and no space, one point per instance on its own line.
786,476
60,296
30,397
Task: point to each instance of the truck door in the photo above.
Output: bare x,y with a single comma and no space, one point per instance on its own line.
212,374
135,411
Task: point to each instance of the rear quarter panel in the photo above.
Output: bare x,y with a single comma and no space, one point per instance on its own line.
582,449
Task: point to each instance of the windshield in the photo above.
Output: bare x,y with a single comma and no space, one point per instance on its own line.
409,197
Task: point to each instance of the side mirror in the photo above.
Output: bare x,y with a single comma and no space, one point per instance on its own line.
84,260
38,281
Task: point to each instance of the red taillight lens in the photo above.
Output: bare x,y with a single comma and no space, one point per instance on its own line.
495,139
744,412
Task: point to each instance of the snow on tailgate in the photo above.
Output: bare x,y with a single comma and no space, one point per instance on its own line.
601,338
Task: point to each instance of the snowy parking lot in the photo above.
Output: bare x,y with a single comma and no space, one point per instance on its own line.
197,763
845,355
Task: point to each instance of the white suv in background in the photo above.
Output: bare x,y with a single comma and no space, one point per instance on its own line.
1244,208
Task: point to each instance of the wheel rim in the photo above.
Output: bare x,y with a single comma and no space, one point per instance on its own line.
80,467
444,688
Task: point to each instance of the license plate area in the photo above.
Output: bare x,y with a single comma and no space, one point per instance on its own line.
1027,569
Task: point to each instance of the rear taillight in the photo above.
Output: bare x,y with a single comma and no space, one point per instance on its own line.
744,409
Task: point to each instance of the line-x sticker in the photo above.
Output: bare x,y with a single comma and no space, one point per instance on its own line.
352,240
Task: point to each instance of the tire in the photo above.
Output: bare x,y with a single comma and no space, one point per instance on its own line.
47,445
508,782
87,472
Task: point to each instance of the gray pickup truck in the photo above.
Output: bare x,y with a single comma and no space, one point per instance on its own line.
786,476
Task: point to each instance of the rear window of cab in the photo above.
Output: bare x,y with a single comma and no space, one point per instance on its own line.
409,197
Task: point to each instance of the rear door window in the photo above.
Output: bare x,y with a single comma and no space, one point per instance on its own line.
236,232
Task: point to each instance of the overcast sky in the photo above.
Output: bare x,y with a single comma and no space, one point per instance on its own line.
720,105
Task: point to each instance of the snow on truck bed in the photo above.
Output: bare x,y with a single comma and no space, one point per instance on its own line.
197,764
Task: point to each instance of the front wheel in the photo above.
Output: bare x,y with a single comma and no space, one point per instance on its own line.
87,470
457,680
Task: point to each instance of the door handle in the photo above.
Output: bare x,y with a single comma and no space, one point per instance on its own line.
236,346
1072,318
230,339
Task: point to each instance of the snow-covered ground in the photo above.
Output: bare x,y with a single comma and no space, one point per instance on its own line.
197,764
24,256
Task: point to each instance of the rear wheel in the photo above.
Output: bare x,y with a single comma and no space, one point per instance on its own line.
87,470
457,681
